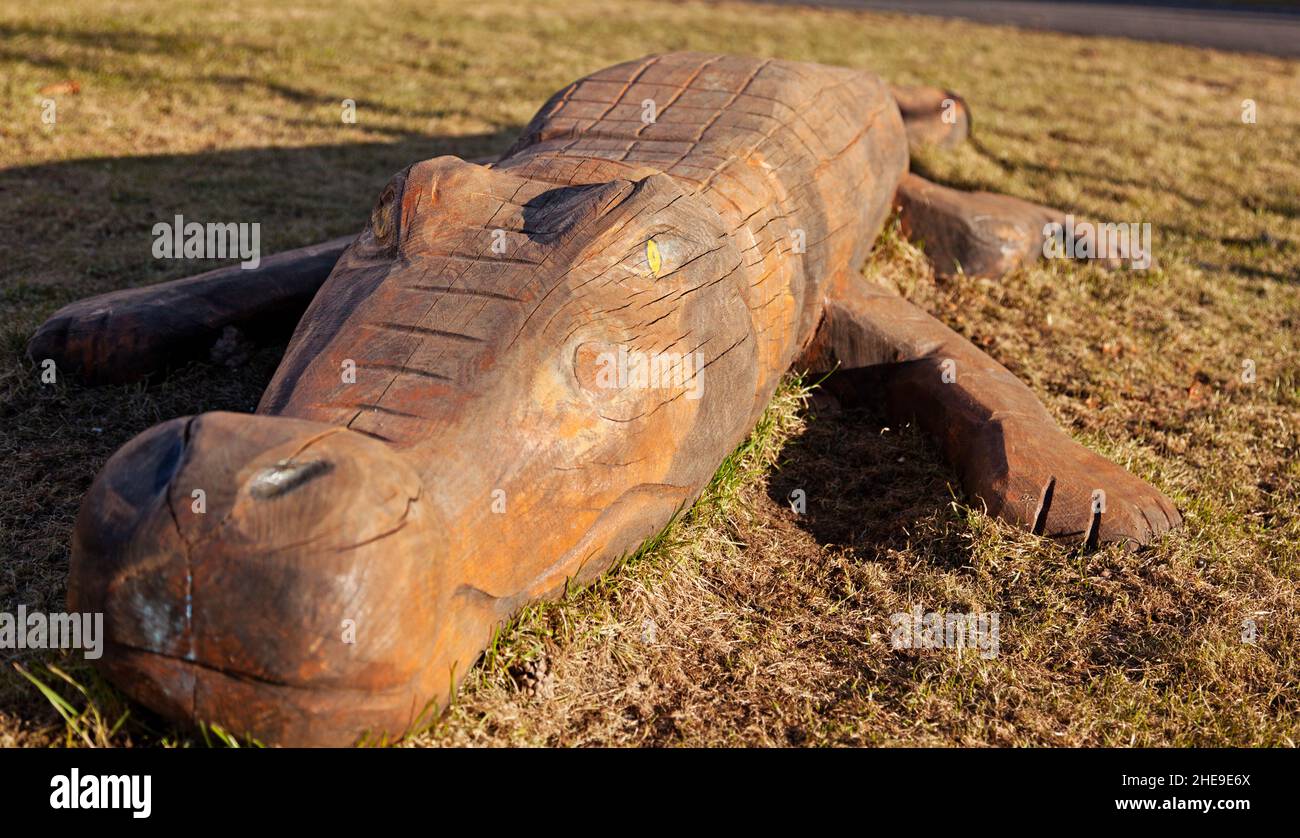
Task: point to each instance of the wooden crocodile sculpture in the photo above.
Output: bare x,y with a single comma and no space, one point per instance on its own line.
446,441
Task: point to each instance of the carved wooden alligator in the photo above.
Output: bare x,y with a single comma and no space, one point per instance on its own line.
447,438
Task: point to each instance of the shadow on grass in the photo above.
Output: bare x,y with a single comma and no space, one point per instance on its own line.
867,485
84,227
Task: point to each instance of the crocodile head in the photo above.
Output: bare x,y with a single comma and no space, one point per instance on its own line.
505,384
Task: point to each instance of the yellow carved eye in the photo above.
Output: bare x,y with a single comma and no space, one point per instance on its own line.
652,257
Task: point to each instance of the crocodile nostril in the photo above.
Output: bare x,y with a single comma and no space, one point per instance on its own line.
285,476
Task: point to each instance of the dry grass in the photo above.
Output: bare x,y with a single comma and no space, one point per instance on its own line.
746,624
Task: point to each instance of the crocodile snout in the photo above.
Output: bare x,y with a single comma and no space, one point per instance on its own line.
280,575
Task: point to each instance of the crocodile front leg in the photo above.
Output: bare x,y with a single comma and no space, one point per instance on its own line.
1008,451
125,335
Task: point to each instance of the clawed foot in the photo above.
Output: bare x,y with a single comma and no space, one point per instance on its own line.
1040,478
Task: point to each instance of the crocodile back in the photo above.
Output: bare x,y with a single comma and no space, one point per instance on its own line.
800,160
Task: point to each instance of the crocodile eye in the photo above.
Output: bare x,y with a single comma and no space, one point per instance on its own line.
384,218
660,255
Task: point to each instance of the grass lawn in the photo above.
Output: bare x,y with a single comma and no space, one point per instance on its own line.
746,623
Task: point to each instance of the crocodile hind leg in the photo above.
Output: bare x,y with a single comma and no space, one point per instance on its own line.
1008,451
979,233
125,335
932,116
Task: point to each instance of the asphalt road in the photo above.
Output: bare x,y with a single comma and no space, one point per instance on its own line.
1270,32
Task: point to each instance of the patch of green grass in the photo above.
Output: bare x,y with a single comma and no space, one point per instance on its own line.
85,725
